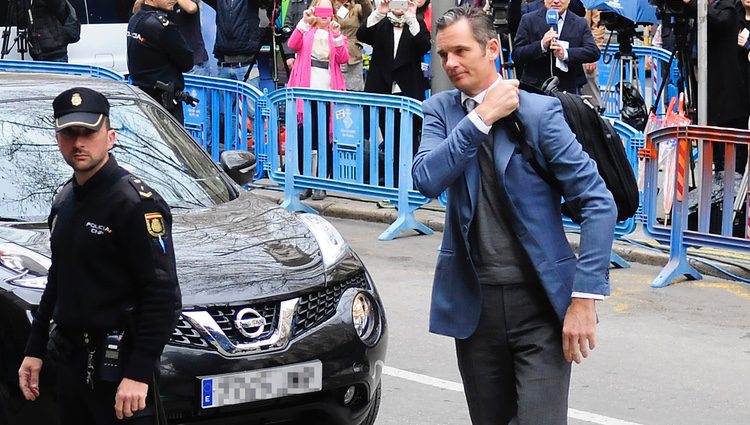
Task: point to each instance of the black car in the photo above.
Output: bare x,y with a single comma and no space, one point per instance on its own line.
268,296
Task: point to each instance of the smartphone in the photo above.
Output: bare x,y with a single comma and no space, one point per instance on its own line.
398,4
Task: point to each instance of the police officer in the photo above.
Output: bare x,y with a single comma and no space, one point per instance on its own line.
111,244
157,52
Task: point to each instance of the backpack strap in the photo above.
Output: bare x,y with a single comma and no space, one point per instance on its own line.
517,131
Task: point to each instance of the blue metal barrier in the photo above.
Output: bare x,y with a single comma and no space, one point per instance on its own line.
59,68
354,149
700,234
659,60
219,121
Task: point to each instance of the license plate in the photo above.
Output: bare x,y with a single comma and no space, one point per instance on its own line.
262,384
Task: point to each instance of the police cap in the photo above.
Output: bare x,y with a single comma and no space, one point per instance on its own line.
80,107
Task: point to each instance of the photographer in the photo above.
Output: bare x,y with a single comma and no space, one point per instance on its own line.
54,27
399,39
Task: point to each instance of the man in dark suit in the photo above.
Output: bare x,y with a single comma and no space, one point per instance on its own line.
507,286
561,51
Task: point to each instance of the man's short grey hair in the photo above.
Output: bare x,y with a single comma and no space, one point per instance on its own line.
481,23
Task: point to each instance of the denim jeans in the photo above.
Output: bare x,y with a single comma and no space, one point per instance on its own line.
201,69
237,74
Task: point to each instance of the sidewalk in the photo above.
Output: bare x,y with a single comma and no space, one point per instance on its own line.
341,205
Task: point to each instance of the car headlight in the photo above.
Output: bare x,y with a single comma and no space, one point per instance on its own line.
31,267
332,245
366,319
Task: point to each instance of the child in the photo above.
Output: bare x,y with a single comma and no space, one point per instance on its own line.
321,50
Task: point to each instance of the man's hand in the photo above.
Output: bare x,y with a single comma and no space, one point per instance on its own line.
589,68
130,398
28,377
290,63
579,329
383,7
557,50
500,100
548,37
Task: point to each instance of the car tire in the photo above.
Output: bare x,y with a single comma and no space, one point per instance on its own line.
372,414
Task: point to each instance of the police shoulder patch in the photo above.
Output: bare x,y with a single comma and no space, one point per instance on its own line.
155,224
142,188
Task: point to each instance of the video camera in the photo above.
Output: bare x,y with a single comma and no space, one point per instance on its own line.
500,15
624,27
670,8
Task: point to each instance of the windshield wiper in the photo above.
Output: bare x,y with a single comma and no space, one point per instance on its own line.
11,219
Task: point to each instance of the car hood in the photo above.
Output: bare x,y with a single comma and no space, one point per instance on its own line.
246,249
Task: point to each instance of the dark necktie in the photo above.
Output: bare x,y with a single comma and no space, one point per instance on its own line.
470,104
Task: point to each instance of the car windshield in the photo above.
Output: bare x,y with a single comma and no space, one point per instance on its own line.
149,145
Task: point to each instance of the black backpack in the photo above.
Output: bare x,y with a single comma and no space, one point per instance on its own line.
600,141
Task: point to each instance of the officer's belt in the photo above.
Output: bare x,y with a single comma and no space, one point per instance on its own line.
77,338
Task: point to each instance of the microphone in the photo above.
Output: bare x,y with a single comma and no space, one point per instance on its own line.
553,17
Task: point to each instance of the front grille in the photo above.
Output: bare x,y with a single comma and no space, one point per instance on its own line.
226,315
313,309
185,334
316,307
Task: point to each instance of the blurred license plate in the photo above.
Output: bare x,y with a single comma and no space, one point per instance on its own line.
263,384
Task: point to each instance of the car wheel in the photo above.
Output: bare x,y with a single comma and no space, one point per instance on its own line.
373,413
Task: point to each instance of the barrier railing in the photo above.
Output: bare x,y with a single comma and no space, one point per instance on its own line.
350,156
729,203
657,57
59,68
221,119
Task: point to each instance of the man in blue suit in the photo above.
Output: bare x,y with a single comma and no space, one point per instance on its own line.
508,287
561,51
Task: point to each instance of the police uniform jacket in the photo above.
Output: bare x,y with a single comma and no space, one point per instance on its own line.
111,243
156,49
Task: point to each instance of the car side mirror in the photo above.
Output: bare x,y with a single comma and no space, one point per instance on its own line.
240,165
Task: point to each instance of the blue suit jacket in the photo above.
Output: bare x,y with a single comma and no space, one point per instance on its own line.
447,159
527,50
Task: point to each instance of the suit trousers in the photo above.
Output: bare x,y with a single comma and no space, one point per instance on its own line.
512,367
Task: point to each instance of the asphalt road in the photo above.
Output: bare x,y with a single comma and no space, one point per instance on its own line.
679,355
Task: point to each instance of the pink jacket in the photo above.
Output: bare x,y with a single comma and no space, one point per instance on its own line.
302,43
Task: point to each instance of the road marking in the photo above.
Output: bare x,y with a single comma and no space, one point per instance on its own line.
423,379
455,386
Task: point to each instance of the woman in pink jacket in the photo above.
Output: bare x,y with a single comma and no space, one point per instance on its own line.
321,49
